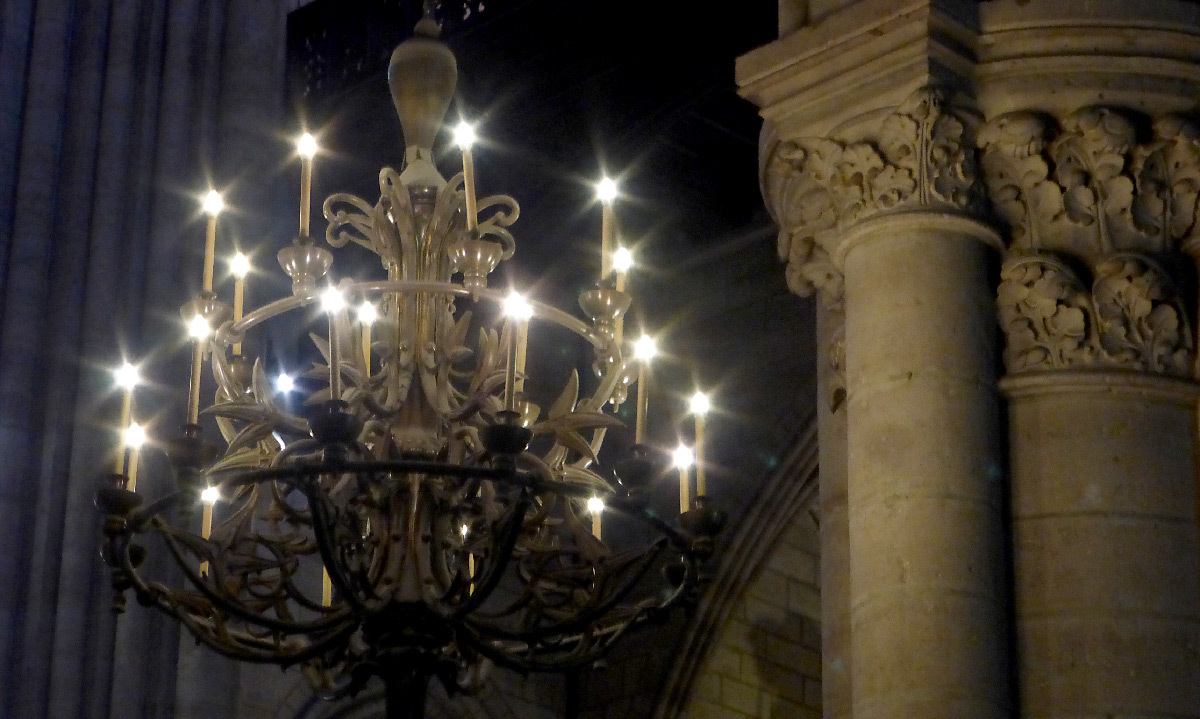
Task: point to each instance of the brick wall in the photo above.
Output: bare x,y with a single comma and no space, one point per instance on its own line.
766,660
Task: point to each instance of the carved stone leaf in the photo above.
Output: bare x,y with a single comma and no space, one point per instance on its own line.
1045,313
1143,323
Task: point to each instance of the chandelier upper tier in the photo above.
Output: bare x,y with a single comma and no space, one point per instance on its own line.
423,516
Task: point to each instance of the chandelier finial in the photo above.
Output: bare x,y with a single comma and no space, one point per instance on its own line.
422,74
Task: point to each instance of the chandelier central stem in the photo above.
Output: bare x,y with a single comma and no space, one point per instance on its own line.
406,683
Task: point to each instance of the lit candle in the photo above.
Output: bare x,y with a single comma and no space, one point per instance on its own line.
198,329
213,204
606,191
700,405
135,437
519,310
333,301
127,378
366,317
595,506
622,262
470,561
684,458
208,498
240,267
643,350
306,147
464,137
326,589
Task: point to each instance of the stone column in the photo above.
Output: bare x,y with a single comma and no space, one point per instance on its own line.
1102,409
894,217
835,519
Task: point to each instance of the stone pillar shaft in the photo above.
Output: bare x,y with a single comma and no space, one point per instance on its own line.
835,527
928,634
1105,546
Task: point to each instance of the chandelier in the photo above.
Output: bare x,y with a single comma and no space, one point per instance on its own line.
422,517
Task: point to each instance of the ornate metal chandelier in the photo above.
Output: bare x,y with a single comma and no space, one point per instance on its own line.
424,517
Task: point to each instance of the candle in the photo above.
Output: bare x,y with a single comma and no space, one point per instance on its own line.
213,204
510,367
208,497
367,316
464,137
333,301
606,191
306,147
622,262
127,378
470,561
518,310
684,458
595,506
644,351
198,329
700,405
326,589
240,267
134,438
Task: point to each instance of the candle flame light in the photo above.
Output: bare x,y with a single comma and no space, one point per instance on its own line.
239,265
126,376
367,314
517,307
606,190
135,436
284,383
210,495
332,300
464,135
645,348
306,146
213,204
198,327
699,403
622,259
595,505
683,456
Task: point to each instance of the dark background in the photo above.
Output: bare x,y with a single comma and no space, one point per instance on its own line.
563,92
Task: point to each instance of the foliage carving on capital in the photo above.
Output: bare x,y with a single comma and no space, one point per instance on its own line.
1130,318
1087,186
1102,192
923,157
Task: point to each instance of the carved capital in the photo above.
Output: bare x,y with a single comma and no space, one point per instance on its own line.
1130,317
1099,205
1088,185
922,157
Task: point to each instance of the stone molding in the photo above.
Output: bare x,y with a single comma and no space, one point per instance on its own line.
922,159
1169,390
1097,219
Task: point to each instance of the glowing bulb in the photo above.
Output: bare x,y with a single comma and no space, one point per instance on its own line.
239,265
213,204
622,259
595,505
332,300
284,383
210,495
517,307
135,436
198,327
700,403
684,456
606,190
306,146
367,314
645,349
126,376
464,135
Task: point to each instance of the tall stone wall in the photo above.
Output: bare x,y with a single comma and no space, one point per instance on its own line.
766,659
